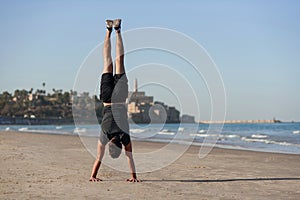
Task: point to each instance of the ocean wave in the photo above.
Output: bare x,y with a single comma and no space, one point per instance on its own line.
214,135
137,130
7,129
203,135
42,131
23,129
284,143
230,136
199,135
296,132
259,136
268,141
79,130
255,140
180,129
166,132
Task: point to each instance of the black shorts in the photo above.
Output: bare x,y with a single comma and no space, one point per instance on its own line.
115,123
113,89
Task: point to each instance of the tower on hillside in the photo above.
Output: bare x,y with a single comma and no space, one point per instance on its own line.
135,85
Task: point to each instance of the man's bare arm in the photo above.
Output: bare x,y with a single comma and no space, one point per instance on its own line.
97,163
128,152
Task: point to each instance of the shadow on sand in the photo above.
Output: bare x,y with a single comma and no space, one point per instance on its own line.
223,180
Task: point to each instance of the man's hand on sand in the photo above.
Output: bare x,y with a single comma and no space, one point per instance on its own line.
133,180
92,179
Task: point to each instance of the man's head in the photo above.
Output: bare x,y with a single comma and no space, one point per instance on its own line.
115,147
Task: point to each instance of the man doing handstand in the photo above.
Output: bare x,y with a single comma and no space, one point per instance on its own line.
114,91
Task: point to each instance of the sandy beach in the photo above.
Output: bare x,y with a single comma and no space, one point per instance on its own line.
43,166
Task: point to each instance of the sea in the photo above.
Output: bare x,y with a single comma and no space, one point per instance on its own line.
277,137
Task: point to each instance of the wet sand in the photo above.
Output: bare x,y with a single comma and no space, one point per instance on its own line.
44,166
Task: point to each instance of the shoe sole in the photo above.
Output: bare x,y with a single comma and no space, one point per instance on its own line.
117,24
109,23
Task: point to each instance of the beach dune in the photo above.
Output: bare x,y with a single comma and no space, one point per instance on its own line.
44,166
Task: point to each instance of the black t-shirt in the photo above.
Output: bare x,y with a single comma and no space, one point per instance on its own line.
115,122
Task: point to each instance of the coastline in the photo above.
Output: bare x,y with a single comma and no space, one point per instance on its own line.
38,166
233,136
70,121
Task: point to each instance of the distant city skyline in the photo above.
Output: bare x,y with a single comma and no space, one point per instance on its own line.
255,45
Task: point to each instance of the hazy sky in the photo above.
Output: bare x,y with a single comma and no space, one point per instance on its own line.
255,45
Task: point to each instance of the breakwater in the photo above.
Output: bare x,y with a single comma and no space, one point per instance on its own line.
239,121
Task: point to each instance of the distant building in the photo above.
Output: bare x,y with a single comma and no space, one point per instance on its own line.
172,115
141,109
187,119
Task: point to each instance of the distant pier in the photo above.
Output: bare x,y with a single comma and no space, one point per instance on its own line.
239,121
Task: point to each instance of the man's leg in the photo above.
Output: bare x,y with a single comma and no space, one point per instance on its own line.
108,65
119,48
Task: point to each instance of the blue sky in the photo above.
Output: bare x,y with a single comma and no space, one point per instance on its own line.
255,45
